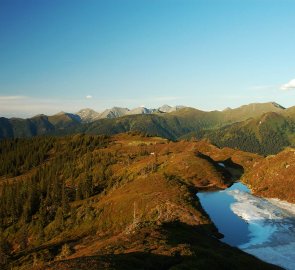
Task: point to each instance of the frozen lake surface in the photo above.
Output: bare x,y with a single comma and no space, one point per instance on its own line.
264,228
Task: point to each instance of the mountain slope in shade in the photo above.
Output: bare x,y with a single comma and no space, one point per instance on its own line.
64,120
37,125
6,129
42,124
22,128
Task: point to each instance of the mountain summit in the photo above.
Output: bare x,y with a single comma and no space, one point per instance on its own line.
88,115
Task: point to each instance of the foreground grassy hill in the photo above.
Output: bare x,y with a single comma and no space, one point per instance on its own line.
121,202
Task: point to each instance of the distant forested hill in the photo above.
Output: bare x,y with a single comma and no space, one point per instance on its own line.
266,135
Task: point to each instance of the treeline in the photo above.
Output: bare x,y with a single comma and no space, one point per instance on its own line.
20,155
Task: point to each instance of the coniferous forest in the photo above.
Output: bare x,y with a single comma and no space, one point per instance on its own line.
44,175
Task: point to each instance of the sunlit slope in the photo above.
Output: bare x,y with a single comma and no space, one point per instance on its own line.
274,176
111,201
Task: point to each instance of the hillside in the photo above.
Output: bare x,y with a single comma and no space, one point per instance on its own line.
121,202
274,176
37,125
267,134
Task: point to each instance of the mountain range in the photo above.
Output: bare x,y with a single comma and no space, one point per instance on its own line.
264,128
88,115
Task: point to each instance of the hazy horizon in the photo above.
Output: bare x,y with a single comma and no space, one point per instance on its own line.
29,115
66,55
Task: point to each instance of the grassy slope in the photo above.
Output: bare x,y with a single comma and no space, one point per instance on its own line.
149,218
274,176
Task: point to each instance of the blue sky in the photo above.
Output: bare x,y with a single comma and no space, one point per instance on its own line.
206,54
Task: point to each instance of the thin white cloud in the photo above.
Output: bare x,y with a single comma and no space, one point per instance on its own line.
12,97
88,97
289,86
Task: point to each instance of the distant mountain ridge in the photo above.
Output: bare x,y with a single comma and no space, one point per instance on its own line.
42,124
89,115
37,125
264,128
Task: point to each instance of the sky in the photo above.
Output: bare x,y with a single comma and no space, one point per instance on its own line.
65,55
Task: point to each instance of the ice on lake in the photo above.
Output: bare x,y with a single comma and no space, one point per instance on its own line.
271,227
264,228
